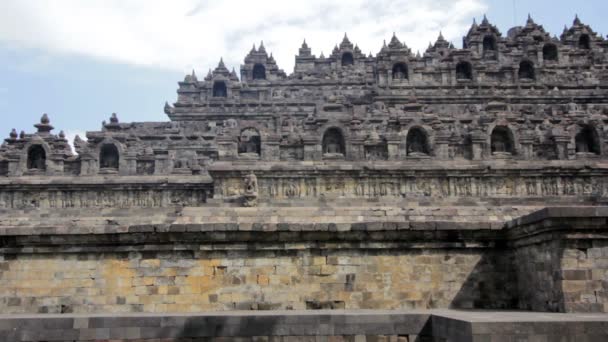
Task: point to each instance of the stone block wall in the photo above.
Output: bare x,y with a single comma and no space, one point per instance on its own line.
584,277
561,260
551,260
538,284
249,280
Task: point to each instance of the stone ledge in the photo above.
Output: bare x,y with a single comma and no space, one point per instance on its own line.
103,180
560,212
456,325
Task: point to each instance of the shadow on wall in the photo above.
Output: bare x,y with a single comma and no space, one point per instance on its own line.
229,326
492,284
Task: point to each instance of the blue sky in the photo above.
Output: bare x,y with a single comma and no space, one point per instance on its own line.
79,61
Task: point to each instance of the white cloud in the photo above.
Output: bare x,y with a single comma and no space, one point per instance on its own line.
71,134
185,34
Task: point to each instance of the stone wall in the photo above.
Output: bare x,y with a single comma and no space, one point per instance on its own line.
221,259
561,259
300,326
539,285
249,280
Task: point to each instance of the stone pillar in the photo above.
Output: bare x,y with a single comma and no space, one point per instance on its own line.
270,148
356,150
442,145
561,145
129,167
88,165
312,149
55,164
527,146
14,165
162,164
478,139
393,147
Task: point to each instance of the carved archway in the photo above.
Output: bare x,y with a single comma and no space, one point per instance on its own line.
550,52
250,142
109,157
417,142
333,142
400,71
464,71
259,72
36,158
347,59
502,141
219,89
587,141
584,42
489,43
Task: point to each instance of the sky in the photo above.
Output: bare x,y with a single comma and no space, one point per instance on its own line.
79,61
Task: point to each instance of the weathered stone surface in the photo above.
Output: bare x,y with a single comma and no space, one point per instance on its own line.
473,178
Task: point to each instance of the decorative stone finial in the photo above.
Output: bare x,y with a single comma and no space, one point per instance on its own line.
530,21
113,118
233,75
13,134
262,49
44,125
22,135
345,39
577,21
61,134
395,43
485,20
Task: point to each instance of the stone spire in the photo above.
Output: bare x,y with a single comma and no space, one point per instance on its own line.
262,49
346,43
530,21
395,43
441,42
345,40
209,76
233,75
485,21
44,127
221,67
304,51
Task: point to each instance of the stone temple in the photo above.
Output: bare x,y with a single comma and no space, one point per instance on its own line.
459,194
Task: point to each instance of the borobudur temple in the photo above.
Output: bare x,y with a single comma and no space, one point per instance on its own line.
378,197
